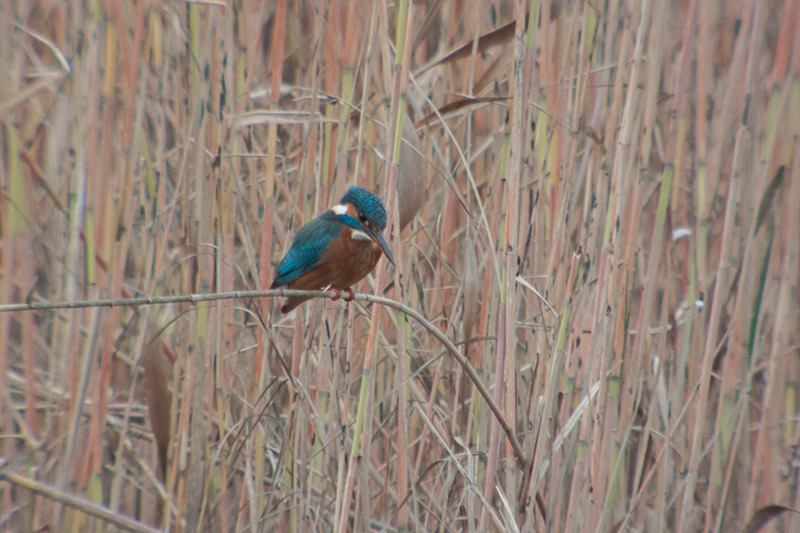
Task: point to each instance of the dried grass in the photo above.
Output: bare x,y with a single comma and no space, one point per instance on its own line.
608,234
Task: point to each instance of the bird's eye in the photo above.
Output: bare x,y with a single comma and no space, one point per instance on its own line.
362,218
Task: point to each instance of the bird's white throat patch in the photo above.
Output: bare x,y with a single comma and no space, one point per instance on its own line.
359,235
355,234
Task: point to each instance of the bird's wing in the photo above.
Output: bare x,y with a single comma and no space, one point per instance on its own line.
309,244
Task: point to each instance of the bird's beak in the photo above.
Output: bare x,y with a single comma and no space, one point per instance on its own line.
378,238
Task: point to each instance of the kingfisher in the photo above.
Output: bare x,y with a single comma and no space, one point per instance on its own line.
337,249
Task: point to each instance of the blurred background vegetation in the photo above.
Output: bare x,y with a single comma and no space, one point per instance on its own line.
599,211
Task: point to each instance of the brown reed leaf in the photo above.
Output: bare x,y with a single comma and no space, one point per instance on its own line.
412,177
763,515
472,288
500,35
155,366
459,107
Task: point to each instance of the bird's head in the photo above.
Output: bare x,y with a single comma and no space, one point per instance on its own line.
363,211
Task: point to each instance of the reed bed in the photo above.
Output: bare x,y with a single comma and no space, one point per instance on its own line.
595,211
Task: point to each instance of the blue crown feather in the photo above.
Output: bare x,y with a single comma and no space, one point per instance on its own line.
367,204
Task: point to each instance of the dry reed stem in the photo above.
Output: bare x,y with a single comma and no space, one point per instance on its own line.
606,247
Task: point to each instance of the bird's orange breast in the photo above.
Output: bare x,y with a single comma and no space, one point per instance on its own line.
347,261
350,259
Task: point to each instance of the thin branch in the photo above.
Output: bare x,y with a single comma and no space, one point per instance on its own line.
233,295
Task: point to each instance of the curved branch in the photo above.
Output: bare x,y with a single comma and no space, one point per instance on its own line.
233,295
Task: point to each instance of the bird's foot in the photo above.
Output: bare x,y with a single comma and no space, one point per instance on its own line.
349,295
